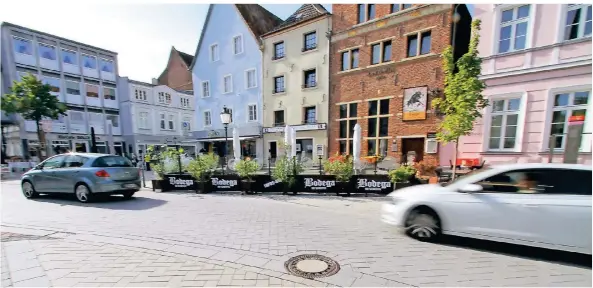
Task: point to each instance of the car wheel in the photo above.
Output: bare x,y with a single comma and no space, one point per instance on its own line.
29,190
423,224
83,193
128,195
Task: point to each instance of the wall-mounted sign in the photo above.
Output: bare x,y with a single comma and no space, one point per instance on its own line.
319,149
74,137
373,184
305,127
415,103
213,133
225,184
431,135
381,71
316,184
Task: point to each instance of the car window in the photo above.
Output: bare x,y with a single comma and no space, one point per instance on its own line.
568,181
73,161
517,181
112,161
53,163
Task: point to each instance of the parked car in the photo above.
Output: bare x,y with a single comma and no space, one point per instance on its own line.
84,174
541,205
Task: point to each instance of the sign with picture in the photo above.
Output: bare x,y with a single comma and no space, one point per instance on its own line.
377,184
320,150
415,103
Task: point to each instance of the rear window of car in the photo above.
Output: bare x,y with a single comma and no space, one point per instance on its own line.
112,161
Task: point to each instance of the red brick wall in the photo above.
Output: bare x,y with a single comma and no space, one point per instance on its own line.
346,15
358,85
176,75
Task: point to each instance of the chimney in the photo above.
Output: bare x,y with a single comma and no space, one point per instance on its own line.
155,81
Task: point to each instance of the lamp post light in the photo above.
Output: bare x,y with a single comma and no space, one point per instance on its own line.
226,117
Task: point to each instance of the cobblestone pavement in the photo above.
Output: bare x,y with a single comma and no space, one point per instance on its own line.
183,239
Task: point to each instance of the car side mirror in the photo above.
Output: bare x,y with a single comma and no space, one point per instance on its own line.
471,188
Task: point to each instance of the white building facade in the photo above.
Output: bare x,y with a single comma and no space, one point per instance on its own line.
156,115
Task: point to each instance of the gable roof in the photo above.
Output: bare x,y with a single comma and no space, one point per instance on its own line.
186,58
304,13
258,20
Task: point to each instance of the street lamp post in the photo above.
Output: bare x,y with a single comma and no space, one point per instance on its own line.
225,118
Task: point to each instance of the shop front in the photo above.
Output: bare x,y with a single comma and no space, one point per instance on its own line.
213,141
311,141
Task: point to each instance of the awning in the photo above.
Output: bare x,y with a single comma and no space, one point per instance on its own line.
219,139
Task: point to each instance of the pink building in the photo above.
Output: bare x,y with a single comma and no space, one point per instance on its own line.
537,66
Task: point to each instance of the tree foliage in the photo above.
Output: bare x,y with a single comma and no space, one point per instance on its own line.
463,102
32,100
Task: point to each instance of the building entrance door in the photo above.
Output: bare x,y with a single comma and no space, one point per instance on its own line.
412,144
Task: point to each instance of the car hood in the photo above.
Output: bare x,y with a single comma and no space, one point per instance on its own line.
418,190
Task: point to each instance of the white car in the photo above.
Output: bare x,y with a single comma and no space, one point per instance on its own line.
541,205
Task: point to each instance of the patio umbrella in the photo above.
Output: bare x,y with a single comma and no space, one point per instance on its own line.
236,144
356,146
293,147
287,135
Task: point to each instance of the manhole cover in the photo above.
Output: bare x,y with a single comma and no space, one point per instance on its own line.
311,266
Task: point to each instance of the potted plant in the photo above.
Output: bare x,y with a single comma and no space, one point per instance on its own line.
426,172
246,168
285,171
341,166
201,168
401,176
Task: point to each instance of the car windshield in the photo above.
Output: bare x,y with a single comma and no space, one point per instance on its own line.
459,177
112,161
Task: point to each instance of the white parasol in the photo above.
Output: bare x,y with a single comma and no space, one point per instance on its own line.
293,147
236,144
356,141
287,136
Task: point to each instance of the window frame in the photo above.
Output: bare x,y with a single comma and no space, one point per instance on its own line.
82,55
247,78
171,121
381,52
499,25
240,37
162,121
503,125
107,61
114,93
209,118
487,116
43,77
224,77
275,90
305,114
378,116
211,54
280,124
581,23
14,37
250,107
419,45
348,118
202,89
39,44
71,81
86,90
143,123
305,83
365,13
312,47
75,56
276,57
350,59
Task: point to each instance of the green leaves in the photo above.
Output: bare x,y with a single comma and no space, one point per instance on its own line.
32,99
402,173
246,168
202,165
463,102
285,168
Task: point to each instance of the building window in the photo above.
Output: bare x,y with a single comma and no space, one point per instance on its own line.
227,84
76,117
279,118
381,52
378,127
107,65
350,59
513,29
163,122
109,93
252,110
89,62
54,83
400,7
92,91
184,102
250,80
278,50
310,78
279,84
310,41
22,46
140,95
143,123
69,57
406,6
164,98
237,44
504,121
370,12
565,106
310,115
72,88
47,51
114,119
347,120
171,122
361,13
214,54
205,89
578,21
207,118
425,43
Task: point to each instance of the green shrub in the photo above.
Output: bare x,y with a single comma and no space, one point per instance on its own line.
340,166
402,173
202,166
246,168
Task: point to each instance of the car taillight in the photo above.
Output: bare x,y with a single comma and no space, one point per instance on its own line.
102,174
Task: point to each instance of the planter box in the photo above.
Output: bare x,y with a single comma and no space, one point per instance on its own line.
400,185
248,186
156,184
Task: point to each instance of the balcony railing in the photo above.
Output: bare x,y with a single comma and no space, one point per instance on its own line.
278,90
277,57
309,84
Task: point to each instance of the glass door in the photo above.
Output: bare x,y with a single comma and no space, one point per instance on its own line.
80,146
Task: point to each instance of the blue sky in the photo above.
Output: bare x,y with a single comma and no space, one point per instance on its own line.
142,34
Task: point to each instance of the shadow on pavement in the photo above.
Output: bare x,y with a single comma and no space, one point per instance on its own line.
104,202
527,252
356,198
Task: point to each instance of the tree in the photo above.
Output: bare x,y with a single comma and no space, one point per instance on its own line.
463,102
32,100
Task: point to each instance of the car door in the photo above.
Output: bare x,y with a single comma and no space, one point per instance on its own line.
45,180
70,173
564,210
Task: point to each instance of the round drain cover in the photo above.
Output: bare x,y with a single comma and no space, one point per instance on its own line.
311,266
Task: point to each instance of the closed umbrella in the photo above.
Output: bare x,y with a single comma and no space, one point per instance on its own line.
287,136
356,146
236,144
293,148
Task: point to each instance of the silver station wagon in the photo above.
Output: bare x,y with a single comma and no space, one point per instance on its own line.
84,174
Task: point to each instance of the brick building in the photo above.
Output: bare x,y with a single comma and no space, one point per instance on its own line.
385,70
177,75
